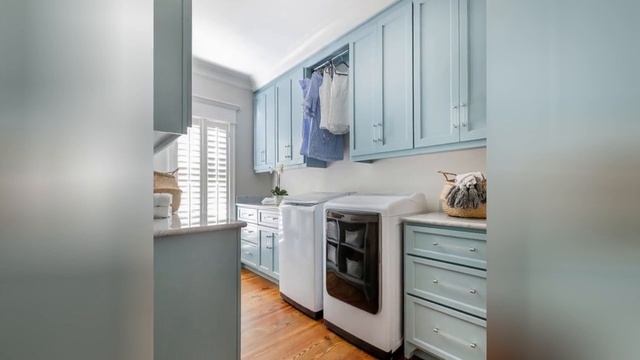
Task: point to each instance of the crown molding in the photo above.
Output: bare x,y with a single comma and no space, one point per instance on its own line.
220,73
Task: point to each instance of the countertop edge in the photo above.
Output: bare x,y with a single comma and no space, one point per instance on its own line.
259,206
441,219
199,229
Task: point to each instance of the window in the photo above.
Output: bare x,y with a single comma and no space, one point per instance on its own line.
203,172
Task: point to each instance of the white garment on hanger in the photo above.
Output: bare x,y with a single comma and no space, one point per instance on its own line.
325,99
338,117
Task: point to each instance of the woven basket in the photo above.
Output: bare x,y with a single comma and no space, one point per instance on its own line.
449,182
164,182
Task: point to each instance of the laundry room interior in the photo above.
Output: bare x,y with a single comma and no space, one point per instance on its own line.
319,179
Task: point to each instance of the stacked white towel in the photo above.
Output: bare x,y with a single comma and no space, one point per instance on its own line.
161,205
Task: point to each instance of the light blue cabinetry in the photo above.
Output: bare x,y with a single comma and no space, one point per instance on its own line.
259,239
381,87
445,292
172,66
417,83
365,90
265,130
284,153
289,118
395,132
449,71
278,120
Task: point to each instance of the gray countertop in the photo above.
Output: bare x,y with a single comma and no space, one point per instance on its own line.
174,226
442,219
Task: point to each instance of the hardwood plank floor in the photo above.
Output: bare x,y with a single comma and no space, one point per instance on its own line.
271,329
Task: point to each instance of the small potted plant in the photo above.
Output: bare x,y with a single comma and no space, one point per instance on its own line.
277,192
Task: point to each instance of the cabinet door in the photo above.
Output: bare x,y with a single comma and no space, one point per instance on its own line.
366,92
266,251
276,255
283,112
172,66
271,128
395,131
436,72
260,131
473,74
296,117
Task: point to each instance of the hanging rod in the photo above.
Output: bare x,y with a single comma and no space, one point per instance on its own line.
330,60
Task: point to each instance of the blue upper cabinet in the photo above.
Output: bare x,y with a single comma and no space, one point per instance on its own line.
473,70
172,66
260,132
278,125
289,119
365,90
296,119
417,85
270,126
381,85
449,71
283,100
264,130
395,132
436,82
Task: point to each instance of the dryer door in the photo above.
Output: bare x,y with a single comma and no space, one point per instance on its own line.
353,258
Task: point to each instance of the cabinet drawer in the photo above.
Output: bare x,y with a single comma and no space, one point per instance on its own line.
249,233
455,286
249,253
269,218
248,214
456,246
443,332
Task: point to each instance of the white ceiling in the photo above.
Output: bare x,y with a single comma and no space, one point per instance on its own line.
264,38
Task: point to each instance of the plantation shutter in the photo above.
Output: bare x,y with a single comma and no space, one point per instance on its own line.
203,172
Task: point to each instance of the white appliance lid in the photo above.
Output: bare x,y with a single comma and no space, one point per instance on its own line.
385,204
313,198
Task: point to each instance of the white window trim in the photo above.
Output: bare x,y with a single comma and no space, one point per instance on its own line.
218,112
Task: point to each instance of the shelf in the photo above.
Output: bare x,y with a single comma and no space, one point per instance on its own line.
360,250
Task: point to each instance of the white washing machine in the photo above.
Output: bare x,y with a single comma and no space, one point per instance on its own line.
362,290
300,251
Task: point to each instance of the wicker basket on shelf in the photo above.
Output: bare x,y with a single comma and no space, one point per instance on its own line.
449,182
166,182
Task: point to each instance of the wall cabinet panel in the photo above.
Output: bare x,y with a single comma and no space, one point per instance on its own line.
172,66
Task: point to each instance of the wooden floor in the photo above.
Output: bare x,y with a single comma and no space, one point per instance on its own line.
271,329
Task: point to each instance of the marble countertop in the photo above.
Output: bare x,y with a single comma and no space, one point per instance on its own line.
175,226
442,219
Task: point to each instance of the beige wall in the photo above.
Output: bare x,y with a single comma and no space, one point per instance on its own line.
406,174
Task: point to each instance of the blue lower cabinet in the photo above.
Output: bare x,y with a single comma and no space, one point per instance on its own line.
276,255
438,331
445,298
266,251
